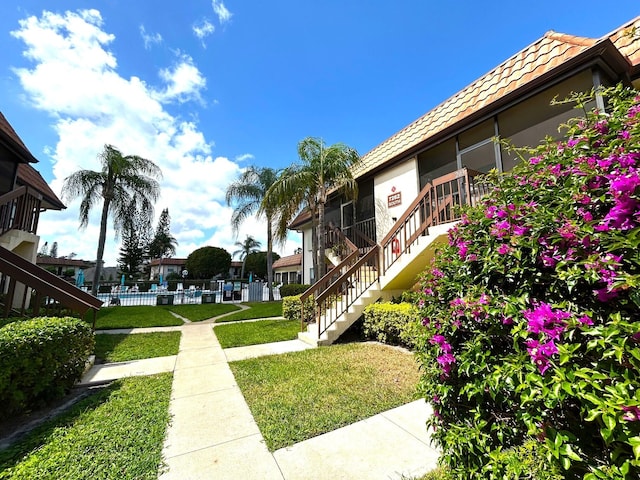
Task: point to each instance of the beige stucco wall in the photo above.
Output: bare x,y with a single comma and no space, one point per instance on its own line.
24,244
307,255
403,179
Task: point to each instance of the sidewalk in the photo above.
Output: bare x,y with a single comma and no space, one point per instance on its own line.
213,434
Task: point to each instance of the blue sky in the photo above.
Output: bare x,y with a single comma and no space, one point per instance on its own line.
205,88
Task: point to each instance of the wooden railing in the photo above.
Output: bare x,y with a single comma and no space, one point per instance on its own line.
48,288
435,205
350,256
20,210
331,303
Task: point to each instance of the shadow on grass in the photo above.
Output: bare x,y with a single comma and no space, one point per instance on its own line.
116,432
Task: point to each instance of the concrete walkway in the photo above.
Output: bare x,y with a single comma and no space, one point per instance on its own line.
213,434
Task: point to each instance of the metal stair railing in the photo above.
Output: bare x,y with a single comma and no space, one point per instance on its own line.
435,205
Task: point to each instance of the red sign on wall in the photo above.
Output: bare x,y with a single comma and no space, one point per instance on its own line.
394,199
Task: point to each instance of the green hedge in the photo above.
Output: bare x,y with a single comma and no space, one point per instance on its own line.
390,322
40,360
291,307
292,289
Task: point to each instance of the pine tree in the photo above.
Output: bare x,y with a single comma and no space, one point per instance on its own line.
163,243
133,246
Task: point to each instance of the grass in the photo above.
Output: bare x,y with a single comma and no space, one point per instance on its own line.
253,333
299,395
255,310
115,433
122,347
199,312
135,317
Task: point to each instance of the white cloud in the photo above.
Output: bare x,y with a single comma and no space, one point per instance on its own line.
184,81
73,77
221,11
244,157
149,39
203,29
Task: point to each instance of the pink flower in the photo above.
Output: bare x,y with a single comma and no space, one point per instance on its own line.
585,320
520,230
632,413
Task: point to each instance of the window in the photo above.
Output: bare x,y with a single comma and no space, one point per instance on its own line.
476,147
530,121
437,161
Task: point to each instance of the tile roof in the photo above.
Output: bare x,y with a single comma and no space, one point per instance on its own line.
7,131
627,40
27,175
547,54
62,261
289,261
168,261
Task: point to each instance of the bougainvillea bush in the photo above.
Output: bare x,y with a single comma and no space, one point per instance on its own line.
530,314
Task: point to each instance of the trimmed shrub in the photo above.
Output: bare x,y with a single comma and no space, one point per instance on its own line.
390,322
40,360
529,315
292,289
292,308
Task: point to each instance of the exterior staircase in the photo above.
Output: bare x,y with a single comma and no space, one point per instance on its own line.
25,287
385,270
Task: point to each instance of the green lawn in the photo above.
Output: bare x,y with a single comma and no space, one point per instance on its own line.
115,433
123,347
255,310
135,317
199,312
253,333
160,316
299,395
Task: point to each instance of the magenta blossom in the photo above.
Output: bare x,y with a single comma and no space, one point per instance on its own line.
632,413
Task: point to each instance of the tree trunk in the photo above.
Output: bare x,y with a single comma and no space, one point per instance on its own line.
101,241
321,240
269,260
314,246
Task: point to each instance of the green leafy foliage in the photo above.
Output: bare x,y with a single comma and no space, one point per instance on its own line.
292,308
528,324
390,322
40,360
256,263
291,289
207,262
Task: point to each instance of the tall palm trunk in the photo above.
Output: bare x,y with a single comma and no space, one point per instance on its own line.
269,260
314,246
321,242
101,241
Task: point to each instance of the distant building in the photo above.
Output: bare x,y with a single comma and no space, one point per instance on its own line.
165,267
288,269
61,265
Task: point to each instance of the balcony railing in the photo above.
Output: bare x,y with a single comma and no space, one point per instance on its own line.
435,205
20,210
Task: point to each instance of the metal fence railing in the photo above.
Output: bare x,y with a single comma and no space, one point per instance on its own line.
120,296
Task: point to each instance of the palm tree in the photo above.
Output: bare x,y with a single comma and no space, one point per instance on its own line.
122,182
250,245
323,169
246,195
